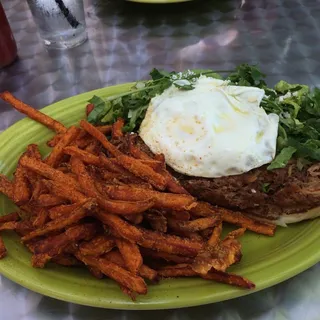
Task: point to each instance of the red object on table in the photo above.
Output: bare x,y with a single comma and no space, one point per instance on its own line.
8,46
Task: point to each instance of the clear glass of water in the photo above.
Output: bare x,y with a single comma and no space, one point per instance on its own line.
61,23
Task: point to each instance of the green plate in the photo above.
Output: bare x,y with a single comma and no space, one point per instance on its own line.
266,261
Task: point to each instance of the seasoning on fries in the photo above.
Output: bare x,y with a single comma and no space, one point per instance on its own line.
119,213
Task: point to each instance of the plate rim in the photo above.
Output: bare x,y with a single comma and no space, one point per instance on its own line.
295,268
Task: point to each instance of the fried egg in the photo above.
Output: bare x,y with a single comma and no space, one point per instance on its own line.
214,130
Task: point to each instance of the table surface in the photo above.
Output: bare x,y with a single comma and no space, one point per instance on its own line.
126,40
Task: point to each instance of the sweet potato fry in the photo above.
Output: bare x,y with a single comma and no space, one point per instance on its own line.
95,272
85,156
115,272
48,172
215,236
66,192
24,227
165,256
46,249
14,216
134,218
184,270
54,140
179,215
150,239
172,183
10,225
62,210
57,225
97,246
105,129
6,186
112,206
229,278
66,260
21,189
117,129
135,151
101,137
131,255
204,209
33,113
143,171
162,200
144,271
157,220
3,250
41,218
194,225
126,291
57,152
49,200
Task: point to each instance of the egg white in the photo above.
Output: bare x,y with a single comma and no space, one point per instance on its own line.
214,130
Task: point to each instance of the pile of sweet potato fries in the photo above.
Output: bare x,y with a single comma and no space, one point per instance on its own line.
121,214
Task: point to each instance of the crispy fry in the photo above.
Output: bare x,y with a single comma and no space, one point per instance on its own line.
24,227
162,200
49,200
150,239
3,250
143,171
215,236
6,186
48,172
115,272
117,129
180,215
184,270
135,151
63,191
126,291
62,210
57,225
41,218
157,220
46,249
85,156
101,137
97,246
194,225
54,140
105,129
33,113
57,152
21,189
131,255
66,260
134,218
10,225
172,183
95,272
165,256
14,216
204,209
144,271
112,206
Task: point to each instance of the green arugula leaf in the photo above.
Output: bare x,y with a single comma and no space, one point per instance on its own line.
281,160
100,107
265,187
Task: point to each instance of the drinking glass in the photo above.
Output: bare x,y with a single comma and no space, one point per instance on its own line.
61,23
8,47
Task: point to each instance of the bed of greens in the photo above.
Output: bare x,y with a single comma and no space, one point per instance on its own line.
297,105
